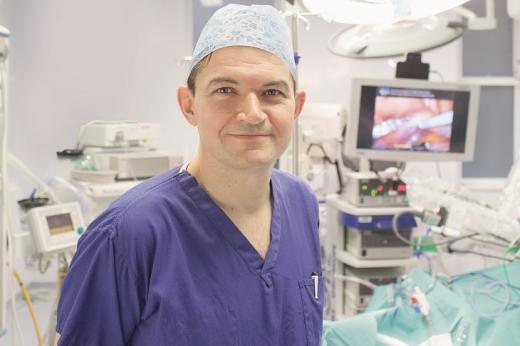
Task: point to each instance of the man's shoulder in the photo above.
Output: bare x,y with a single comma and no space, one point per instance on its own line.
148,190
290,183
140,203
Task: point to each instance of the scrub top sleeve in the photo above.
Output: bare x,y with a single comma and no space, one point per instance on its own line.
313,206
100,302
317,210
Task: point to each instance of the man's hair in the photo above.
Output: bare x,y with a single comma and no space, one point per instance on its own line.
203,63
195,71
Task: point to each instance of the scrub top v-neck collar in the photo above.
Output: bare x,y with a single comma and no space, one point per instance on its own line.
230,231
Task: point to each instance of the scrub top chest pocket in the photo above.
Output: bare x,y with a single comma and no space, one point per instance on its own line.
312,295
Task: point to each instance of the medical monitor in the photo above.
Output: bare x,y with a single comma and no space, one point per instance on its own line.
412,120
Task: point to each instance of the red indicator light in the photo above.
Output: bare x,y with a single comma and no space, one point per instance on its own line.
401,188
380,188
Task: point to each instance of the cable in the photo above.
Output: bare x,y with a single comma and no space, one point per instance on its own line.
490,292
438,74
340,181
496,236
357,280
395,229
452,250
328,160
478,254
440,254
486,276
509,250
28,301
13,160
491,288
431,270
322,149
395,226
488,242
43,269
500,311
15,317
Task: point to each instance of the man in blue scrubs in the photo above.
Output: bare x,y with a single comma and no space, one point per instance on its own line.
224,250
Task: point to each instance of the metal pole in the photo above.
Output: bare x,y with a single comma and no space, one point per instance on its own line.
296,131
4,37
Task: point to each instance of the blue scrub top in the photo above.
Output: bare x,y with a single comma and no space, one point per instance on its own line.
164,265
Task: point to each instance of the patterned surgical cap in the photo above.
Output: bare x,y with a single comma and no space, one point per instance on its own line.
259,26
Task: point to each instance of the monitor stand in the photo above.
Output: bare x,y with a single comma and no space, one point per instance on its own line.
366,165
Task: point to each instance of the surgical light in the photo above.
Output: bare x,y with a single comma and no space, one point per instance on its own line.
374,12
376,41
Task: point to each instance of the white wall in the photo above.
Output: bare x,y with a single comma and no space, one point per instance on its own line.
75,61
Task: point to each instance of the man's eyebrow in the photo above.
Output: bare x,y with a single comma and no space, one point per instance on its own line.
218,80
278,83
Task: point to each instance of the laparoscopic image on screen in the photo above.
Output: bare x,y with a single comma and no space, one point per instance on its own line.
412,123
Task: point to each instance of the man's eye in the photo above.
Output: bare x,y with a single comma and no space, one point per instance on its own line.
273,92
224,90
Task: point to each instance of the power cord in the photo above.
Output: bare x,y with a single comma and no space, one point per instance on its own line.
395,229
30,306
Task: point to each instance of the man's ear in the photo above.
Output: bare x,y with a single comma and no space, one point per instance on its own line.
299,102
185,100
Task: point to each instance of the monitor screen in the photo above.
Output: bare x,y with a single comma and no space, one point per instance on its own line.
408,120
60,223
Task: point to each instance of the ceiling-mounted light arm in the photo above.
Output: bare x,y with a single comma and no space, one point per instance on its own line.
295,11
475,22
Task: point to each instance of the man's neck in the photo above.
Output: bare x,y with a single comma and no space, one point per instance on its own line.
241,191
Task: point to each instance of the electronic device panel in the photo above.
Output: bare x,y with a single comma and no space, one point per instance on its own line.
412,120
56,228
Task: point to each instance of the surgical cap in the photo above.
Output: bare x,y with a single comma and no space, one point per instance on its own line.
259,26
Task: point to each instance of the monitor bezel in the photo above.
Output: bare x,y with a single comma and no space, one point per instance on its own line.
352,132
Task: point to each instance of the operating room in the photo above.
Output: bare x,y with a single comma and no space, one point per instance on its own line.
418,205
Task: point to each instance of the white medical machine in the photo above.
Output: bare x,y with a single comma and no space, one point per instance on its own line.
359,239
56,228
119,134
356,296
320,134
370,189
111,157
120,150
396,120
108,166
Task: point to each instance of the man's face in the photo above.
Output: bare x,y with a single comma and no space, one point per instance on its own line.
244,107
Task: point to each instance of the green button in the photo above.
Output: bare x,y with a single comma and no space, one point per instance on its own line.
373,192
80,230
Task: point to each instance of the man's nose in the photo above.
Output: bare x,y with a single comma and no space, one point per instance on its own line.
251,111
